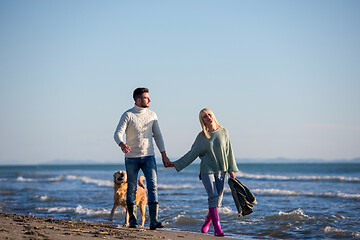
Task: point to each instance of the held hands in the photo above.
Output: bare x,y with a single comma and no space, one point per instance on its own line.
167,163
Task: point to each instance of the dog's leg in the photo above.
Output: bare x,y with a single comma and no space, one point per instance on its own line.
126,224
111,217
143,211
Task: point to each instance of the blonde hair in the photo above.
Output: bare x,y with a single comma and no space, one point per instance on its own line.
203,125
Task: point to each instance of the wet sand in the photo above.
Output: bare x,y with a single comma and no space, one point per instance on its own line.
27,227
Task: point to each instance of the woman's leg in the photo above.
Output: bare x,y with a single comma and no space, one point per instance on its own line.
220,183
212,182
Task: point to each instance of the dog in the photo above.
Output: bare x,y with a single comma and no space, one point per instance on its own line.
120,188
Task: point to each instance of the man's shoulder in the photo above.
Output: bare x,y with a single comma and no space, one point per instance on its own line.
128,112
152,113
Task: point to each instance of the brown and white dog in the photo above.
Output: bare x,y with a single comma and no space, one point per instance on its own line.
120,188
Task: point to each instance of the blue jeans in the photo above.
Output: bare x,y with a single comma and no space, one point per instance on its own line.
214,186
148,166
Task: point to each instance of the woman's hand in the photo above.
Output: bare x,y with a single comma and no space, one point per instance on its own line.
232,175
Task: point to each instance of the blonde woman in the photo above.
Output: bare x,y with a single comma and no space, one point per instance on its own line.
213,147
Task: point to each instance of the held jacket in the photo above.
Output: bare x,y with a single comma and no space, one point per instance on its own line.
243,197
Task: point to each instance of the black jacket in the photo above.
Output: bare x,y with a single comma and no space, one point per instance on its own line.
243,197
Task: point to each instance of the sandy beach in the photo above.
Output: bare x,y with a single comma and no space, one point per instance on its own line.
27,227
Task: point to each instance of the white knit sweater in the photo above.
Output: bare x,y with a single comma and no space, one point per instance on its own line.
140,125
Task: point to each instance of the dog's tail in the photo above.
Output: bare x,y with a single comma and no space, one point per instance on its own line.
141,181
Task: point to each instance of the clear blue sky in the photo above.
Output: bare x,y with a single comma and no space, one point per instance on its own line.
282,76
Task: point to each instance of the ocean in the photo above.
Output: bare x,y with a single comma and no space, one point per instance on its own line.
295,201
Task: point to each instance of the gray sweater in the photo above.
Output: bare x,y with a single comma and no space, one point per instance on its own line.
215,153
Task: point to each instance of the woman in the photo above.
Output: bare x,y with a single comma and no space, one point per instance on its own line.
213,147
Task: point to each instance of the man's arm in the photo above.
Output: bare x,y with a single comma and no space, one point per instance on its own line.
119,132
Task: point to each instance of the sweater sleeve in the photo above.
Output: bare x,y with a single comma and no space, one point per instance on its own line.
120,129
158,136
190,156
231,159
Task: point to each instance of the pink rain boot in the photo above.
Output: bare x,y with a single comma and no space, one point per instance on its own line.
205,227
216,222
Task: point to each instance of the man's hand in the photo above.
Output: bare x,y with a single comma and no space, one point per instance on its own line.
167,163
125,148
232,175
166,160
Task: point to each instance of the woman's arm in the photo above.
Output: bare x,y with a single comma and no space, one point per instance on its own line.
190,156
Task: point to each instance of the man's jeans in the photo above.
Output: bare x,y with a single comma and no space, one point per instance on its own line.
214,186
148,166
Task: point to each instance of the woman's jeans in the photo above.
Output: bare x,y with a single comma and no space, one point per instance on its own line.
148,166
214,186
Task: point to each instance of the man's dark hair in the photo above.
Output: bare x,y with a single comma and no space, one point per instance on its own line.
138,92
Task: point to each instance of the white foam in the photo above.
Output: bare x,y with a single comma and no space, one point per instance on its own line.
338,216
310,194
173,186
91,212
86,179
78,210
308,178
59,209
43,198
329,229
56,179
22,179
227,210
276,192
298,212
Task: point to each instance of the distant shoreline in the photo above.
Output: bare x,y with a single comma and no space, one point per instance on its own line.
238,161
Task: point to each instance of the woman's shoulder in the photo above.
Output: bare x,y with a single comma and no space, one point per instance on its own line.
200,135
224,130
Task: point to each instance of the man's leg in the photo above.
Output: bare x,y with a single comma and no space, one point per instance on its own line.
150,171
132,169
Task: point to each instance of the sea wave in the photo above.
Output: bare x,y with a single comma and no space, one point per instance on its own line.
54,179
227,210
183,219
272,191
340,233
294,215
78,210
22,179
173,186
86,179
43,198
295,178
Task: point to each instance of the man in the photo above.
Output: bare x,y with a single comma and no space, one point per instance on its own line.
141,125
